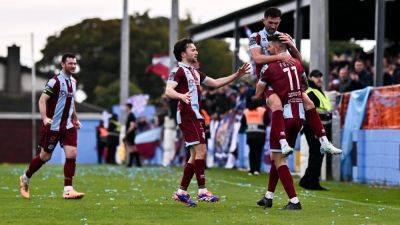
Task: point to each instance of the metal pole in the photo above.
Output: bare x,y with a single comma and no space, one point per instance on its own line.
298,24
379,38
173,31
319,37
33,96
124,66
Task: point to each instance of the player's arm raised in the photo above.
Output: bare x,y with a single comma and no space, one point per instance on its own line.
171,93
211,82
42,109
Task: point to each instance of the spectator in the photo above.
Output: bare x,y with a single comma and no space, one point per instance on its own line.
101,137
254,122
129,139
364,77
114,129
396,73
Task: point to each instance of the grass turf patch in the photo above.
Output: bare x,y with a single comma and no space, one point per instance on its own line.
116,195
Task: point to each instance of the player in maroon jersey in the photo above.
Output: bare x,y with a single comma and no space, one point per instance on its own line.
184,85
60,124
258,44
286,80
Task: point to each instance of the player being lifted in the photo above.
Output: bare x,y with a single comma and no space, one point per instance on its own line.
286,80
258,45
184,85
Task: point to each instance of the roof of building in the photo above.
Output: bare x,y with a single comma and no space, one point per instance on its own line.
347,19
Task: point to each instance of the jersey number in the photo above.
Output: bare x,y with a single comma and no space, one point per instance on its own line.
288,70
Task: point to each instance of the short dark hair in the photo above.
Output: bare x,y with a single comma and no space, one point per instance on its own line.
275,39
359,60
129,105
67,55
180,46
272,12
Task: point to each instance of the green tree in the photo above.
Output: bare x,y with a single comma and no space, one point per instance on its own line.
97,42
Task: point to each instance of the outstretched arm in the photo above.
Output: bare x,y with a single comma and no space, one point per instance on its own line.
228,79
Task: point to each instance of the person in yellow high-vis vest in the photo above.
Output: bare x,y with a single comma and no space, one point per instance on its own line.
310,180
114,129
254,122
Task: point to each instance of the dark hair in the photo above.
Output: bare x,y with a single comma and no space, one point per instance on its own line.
359,60
272,12
180,46
67,55
275,38
129,105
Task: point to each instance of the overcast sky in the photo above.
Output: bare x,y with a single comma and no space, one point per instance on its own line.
19,18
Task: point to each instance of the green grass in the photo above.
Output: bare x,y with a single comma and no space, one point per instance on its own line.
115,195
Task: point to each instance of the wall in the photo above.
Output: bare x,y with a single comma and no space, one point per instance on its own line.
26,83
16,141
378,157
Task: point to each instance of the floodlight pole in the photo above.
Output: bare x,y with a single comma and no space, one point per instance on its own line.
173,31
380,39
124,63
33,97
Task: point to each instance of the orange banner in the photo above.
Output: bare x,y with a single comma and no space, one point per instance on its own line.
383,108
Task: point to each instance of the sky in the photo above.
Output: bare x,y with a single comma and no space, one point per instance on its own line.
43,18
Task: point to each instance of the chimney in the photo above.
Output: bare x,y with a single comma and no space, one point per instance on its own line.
13,74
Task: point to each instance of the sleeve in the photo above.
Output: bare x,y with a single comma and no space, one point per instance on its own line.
264,74
203,76
133,117
254,41
175,76
314,99
50,87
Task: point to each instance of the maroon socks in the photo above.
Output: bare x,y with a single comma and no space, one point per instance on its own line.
314,122
188,173
69,171
287,181
199,167
34,166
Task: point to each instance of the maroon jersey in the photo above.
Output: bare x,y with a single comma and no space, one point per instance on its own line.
188,79
288,83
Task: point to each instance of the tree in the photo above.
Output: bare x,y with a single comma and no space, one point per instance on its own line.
97,43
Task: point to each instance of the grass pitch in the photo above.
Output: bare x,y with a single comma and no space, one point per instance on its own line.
116,195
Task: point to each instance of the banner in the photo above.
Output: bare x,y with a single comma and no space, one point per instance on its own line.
353,121
383,108
223,138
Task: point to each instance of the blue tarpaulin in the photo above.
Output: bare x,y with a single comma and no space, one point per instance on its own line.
354,119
